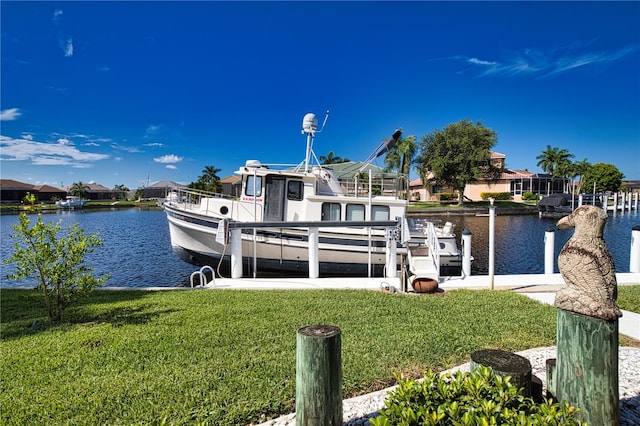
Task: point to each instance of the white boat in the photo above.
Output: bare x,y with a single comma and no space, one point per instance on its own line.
354,216
70,202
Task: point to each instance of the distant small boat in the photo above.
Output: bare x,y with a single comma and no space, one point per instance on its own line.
71,202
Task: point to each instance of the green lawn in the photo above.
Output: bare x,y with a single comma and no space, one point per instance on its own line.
629,297
228,357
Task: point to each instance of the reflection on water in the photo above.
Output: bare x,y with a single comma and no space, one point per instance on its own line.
137,249
136,252
519,241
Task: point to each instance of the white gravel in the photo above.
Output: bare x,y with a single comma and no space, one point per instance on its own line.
358,410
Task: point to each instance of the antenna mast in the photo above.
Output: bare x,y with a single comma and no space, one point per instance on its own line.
310,126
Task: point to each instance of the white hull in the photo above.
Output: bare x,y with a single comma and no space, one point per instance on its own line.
343,251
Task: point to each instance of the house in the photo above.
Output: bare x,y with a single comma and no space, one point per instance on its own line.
160,189
231,185
13,191
516,182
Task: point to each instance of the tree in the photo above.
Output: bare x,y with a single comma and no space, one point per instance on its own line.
208,181
402,155
121,190
78,189
29,201
57,263
606,177
332,158
579,169
457,155
556,162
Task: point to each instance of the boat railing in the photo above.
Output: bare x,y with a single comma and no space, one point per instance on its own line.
390,185
189,198
431,239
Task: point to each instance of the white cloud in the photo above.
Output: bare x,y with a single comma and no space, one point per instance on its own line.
547,63
9,114
480,61
130,149
154,144
167,159
68,48
171,166
43,153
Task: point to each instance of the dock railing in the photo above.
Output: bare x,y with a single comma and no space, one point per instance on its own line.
234,239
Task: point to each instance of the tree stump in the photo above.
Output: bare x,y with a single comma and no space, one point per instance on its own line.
318,376
505,364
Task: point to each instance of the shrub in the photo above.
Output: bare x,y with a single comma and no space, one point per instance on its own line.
447,196
503,196
530,196
58,263
477,398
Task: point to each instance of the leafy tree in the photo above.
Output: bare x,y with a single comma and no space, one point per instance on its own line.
57,263
29,201
606,177
402,155
457,155
208,181
332,158
79,189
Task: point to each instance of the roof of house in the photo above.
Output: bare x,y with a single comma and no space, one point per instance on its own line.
231,179
14,184
166,184
47,188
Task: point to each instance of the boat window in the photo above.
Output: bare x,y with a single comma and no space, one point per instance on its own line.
253,182
295,190
355,212
331,211
379,212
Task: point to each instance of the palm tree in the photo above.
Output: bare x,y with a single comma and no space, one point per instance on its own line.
556,162
332,158
401,156
208,181
79,189
580,169
121,190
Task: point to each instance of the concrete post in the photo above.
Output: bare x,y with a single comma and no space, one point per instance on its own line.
314,261
466,253
392,254
492,242
236,253
634,257
549,250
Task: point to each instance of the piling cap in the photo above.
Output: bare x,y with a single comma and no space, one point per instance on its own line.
466,232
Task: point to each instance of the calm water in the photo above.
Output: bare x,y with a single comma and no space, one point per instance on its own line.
137,250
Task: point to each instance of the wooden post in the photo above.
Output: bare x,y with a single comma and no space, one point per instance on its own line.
587,366
551,378
318,376
505,363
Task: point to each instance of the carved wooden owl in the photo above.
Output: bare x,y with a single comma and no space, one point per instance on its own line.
587,267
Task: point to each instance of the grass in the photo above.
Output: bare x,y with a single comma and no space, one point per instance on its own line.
228,357
629,298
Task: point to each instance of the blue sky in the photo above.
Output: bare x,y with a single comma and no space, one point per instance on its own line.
125,92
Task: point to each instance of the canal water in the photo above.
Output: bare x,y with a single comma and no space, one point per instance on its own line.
137,249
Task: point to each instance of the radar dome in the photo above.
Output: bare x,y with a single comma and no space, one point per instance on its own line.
310,123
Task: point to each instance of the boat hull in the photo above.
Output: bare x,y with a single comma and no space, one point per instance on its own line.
282,250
